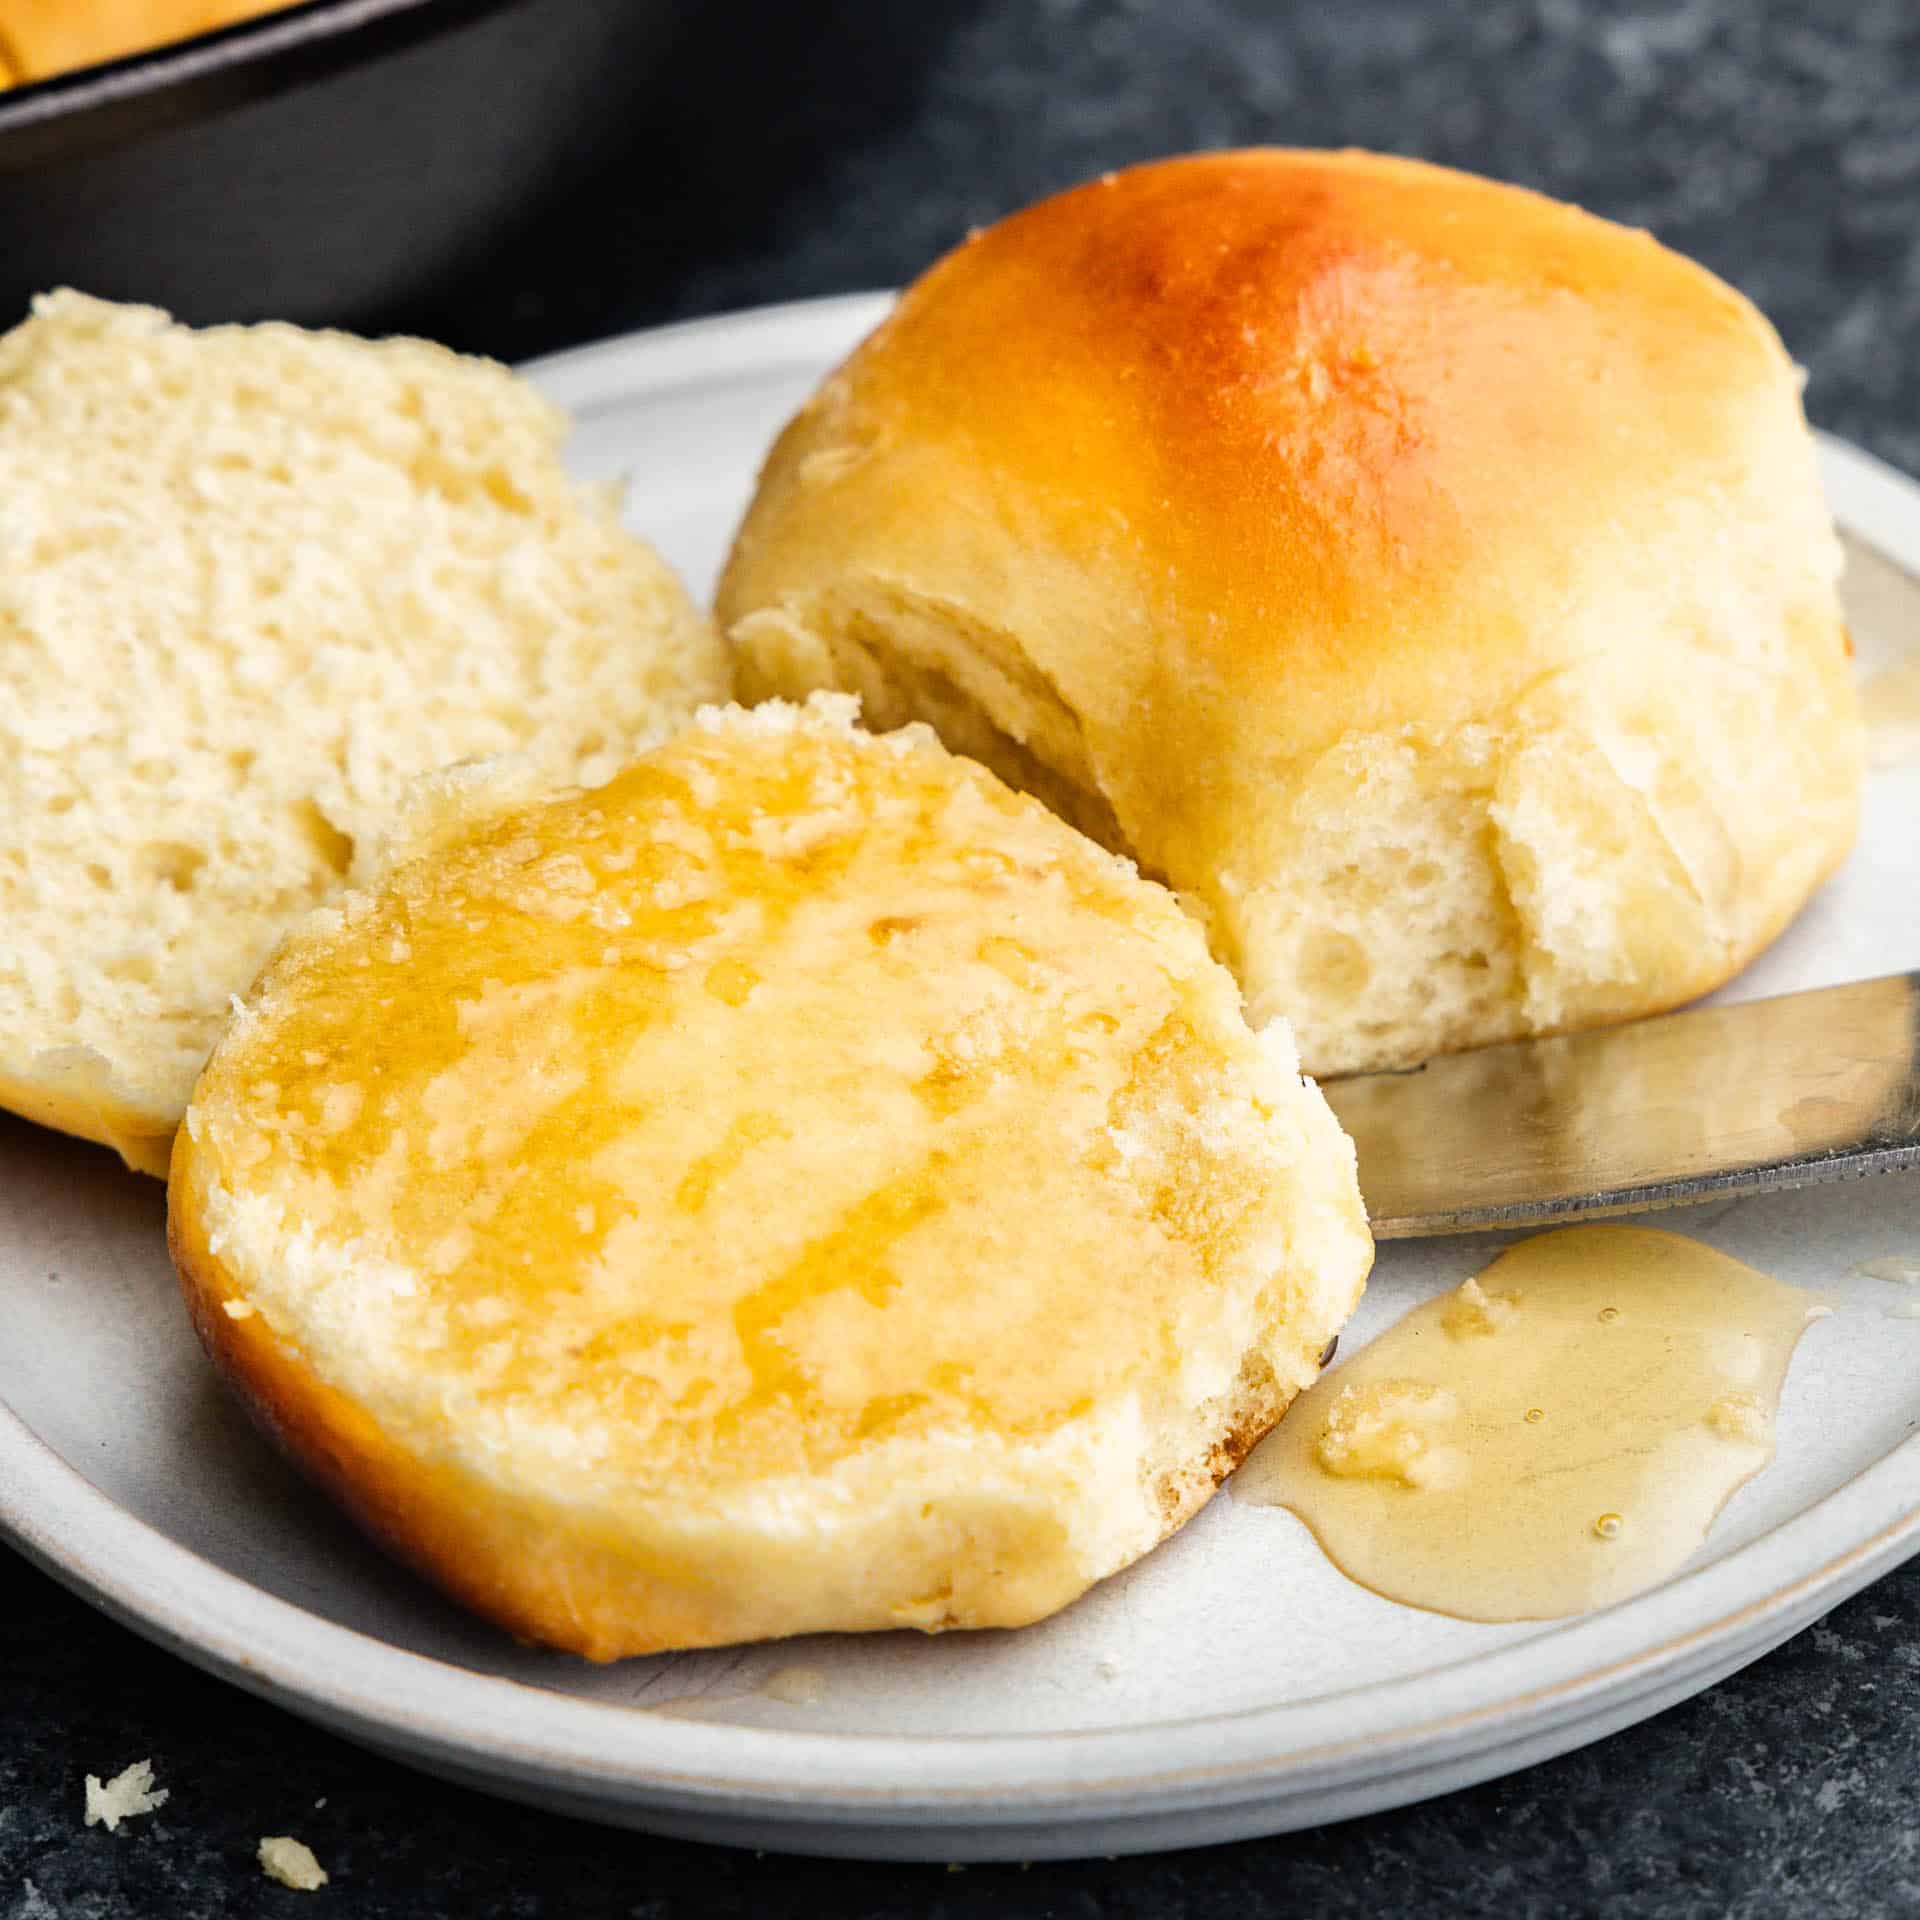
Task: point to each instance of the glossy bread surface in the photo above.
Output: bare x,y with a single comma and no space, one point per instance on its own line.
794,1111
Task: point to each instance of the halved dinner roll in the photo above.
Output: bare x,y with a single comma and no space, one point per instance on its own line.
1429,581
253,581
798,1185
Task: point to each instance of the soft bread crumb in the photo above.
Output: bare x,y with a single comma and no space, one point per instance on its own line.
829,715
253,583
291,1862
128,1795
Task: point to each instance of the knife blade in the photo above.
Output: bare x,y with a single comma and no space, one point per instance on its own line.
1685,1107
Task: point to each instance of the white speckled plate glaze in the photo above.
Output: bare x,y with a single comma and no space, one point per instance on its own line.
1233,1683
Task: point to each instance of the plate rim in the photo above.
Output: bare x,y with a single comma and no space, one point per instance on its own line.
624,1756
277,1649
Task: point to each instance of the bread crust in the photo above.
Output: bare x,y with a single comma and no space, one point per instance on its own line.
83,1106
1315,520
529,1570
339,1447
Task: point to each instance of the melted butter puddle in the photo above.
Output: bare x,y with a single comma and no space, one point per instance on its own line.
1555,1435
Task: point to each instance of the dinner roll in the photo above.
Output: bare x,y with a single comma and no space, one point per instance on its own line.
39,38
1429,581
799,1185
251,582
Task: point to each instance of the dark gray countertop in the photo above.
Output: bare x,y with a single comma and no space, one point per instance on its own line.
1778,142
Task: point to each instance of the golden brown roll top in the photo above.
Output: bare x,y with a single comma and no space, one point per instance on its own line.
1429,581
39,38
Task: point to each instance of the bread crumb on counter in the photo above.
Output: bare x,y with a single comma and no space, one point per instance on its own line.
126,1796
291,1862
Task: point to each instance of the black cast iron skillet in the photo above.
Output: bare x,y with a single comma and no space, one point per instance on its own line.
336,161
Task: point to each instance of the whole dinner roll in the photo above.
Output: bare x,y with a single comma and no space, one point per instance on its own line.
798,1185
1429,581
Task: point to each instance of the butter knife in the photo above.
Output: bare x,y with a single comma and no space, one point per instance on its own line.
1692,1106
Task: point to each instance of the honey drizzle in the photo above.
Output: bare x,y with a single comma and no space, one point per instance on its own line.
1556,1435
507,1075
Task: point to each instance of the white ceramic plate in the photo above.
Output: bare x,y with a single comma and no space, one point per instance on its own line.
1231,1684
